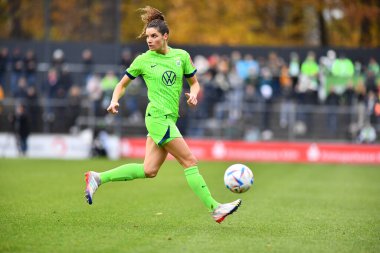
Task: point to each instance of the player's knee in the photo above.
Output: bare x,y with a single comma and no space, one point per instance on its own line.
150,173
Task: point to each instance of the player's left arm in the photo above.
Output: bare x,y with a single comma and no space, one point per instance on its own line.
194,90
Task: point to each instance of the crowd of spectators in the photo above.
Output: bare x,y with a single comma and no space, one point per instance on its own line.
296,86
234,87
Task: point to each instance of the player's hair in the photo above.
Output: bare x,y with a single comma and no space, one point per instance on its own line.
153,18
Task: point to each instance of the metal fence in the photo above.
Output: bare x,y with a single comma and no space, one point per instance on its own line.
278,120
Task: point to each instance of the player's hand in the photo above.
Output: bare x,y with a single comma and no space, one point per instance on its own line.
191,99
113,107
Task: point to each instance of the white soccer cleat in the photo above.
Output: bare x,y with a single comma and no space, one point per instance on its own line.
92,179
223,210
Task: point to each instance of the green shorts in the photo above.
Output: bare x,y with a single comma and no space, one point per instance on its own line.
162,129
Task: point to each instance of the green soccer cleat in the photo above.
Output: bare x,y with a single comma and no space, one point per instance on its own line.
223,210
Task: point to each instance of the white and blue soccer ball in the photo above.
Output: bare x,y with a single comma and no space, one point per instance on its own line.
238,178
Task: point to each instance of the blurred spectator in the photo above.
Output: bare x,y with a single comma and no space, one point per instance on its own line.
348,96
265,86
211,94
247,67
182,122
17,68
235,57
58,58
20,123
87,62
250,95
373,66
108,83
94,92
307,90
310,68
213,61
358,68
371,102
328,61
74,106
333,101
343,67
236,87
294,68
132,102
370,82
33,108
3,120
126,59
30,63
2,95
4,58
63,86
225,86
65,81
235,110
286,103
342,70
349,101
201,63
21,92
50,89
360,106
376,109
309,73
251,99
274,64
221,77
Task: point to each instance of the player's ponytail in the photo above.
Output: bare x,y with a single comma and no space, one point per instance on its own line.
153,18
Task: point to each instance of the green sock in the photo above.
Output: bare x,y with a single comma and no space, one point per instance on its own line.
124,172
199,187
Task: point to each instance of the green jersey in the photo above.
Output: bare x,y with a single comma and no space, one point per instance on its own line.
163,75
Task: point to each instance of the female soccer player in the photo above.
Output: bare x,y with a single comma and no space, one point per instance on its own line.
162,69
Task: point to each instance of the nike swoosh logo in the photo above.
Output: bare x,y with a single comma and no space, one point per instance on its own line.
152,66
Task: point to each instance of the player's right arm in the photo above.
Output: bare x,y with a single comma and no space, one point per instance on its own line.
118,92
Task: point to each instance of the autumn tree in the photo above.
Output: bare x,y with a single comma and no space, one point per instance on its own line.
21,19
350,23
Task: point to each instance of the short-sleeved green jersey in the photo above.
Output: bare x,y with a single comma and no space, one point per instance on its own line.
163,75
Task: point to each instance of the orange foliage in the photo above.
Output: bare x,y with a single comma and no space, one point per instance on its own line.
222,22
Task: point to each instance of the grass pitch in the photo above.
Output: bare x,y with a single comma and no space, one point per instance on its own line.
291,208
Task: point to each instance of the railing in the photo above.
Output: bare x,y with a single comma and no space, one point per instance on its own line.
246,121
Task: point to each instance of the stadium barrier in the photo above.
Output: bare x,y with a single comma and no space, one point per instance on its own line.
291,152
57,146
249,121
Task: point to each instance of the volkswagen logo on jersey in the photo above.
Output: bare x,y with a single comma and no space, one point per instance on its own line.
169,78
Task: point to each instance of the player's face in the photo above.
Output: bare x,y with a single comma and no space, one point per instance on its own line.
155,40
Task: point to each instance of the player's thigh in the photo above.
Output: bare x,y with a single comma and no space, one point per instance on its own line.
154,157
181,151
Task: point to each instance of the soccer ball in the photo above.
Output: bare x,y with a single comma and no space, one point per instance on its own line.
238,178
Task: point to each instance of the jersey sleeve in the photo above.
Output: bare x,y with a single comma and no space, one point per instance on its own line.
135,69
189,69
